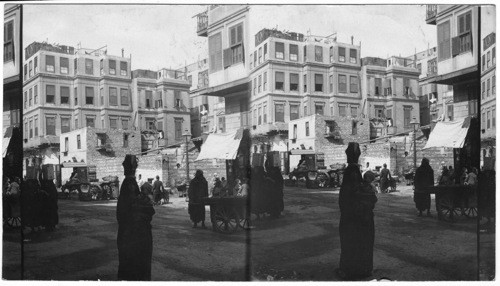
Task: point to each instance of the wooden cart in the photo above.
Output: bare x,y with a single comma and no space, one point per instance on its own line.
453,201
228,214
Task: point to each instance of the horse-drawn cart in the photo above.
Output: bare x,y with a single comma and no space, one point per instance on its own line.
228,214
453,201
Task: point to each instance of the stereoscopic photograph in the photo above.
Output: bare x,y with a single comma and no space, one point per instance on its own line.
243,142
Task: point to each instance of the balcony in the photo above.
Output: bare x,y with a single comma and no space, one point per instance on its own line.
431,14
202,27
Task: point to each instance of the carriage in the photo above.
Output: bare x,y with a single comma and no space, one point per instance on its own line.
453,201
228,214
88,187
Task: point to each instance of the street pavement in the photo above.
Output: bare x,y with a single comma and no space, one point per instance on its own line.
302,245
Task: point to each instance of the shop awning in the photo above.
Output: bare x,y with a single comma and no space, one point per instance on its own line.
50,160
220,146
7,134
449,134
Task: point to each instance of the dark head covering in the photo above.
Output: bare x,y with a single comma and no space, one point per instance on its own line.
425,162
369,176
130,164
353,152
199,173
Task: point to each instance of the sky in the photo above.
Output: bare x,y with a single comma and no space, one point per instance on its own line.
160,36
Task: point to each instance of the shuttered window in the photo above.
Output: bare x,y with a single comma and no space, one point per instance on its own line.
64,95
89,95
50,125
112,67
444,41
342,83
342,54
294,53
294,82
50,94
353,82
64,65
124,97
49,63
280,50
113,96
353,56
215,52
279,80
318,82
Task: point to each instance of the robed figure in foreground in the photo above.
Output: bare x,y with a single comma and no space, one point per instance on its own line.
424,177
198,189
357,229
135,240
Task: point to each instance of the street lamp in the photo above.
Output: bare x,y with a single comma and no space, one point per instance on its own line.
186,135
414,123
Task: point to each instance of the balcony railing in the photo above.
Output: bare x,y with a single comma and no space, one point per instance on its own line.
202,23
431,14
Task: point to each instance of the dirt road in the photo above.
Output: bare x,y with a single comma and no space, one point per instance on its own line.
301,245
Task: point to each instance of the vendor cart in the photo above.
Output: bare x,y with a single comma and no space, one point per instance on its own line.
228,214
453,201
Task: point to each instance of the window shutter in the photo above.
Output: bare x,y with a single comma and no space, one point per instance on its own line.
239,37
455,46
228,57
233,36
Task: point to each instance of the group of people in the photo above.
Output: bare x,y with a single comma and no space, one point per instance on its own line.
449,176
154,190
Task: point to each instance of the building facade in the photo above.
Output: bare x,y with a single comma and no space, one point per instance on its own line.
488,101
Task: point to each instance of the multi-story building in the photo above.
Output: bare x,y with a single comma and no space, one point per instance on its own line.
488,101
160,103
390,95
12,91
207,112
66,89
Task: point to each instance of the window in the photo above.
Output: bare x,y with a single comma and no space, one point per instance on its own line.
483,119
149,99
259,122
341,54
488,119
493,85
493,118
76,96
331,54
388,89
319,109
407,116
488,59
305,53
294,52
444,42
419,67
101,95
236,34
49,63
260,55
30,97
89,66
331,83
378,86
280,50
124,123
64,94
8,40
493,55
265,81
26,130
379,111
406,86
90,121
50,93
264,111
265,51
354,128
294,131
353,56
388,113
124,97
307,129
64,65
178,128
26,73
305,110
294,111
125,140
75,65
36,126
279,80
76,123
123,68
255,59
342,83
353,82
30,68
484,62
449,112
487,87
113,123
89,95
473,107
463,42
318,82
31,128
354,111
318,53
260,82
78,142
279,112
222,124
112,67
342,110
294,82
254,86
113,96
251,61
483,89
50,125
65,124
35,62
177,99
215,52
101,66
25,99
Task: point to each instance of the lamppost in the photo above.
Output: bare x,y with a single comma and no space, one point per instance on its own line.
414,123
186,135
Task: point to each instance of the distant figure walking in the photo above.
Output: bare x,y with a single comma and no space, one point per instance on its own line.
424,177
357,228
198,188
134,213
158,189
385,179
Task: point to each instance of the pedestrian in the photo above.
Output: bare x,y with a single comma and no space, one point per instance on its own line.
224,190
140,181
357,233
147,189
243,191
463,176
276,191
158,189
445,177
217,190
385,178
424,177
453,176
365,197
198,189
49,205
472,178
134,213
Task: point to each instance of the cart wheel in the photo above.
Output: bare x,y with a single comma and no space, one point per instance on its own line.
470,212
13,222
95,192
226,220
447,210
323,180
244,223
